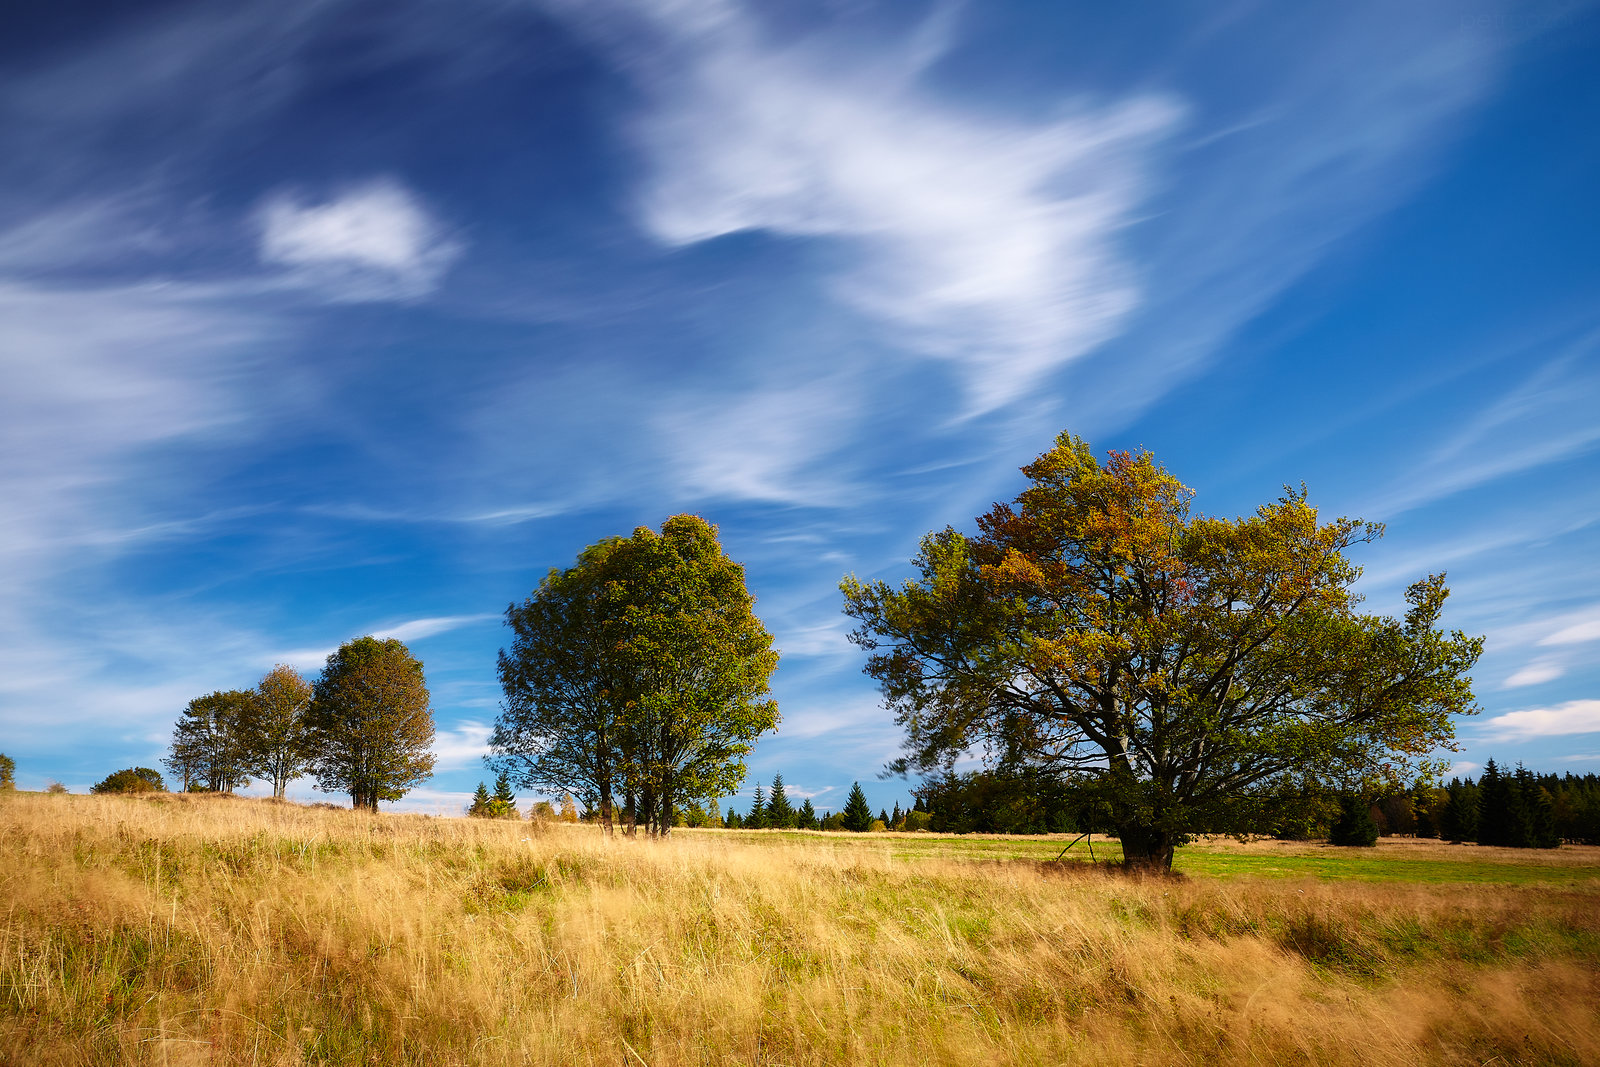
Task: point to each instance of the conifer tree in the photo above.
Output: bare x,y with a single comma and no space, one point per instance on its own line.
807,818
780,813
1531,808
732,821
1354,826
505,801
1458,819
857,815
482,802
757,819
895,816
1495,815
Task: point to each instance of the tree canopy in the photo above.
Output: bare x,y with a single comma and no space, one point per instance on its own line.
370,722
207,745
273,728
638,674
131,780
1187,669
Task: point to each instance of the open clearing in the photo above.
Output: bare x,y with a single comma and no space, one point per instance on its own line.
179,930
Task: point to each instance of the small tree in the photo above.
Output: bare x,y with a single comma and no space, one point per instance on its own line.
481,801
780,813
757,819
1497,824
857,816
8,772
273,730
371,723
569,808
505,802
131,780
639,674
1354,826
732,821
807,819
208,742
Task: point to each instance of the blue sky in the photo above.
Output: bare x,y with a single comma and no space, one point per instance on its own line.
321,319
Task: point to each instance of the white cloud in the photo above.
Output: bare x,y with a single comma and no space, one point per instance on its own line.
980,238
765,445
372,242
1577,633
417,629
1535,673
464,746
1572,717
308,659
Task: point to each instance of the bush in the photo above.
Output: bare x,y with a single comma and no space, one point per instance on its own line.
1354,827
55,787
131,780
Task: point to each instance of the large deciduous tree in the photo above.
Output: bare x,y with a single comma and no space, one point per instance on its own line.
208,743
1186,669
273,729
370,722
637,676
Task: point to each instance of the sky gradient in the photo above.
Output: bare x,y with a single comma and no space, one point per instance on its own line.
324,319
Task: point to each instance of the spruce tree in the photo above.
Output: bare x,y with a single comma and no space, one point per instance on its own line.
505,801
482,803
757,819
807,819
1495,813
780,813
857,815
732,822
1458,819
1531,810
1354,826
895,816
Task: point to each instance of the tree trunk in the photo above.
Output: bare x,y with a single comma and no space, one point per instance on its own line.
605,808
1146,848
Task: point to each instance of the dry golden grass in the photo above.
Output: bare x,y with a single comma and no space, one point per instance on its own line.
182,930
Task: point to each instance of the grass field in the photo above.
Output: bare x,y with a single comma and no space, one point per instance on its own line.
185,930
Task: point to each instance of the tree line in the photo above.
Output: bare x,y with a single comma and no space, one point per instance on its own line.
363,727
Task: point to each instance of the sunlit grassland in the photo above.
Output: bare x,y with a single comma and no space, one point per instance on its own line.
1394,860
182,930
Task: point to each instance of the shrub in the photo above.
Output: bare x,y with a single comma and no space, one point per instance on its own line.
55,787
131,780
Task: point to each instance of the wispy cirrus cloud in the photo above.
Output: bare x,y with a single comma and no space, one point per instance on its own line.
982,238
375,241
1548,418
1536,673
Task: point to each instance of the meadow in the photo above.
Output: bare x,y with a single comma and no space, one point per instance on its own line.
207,930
